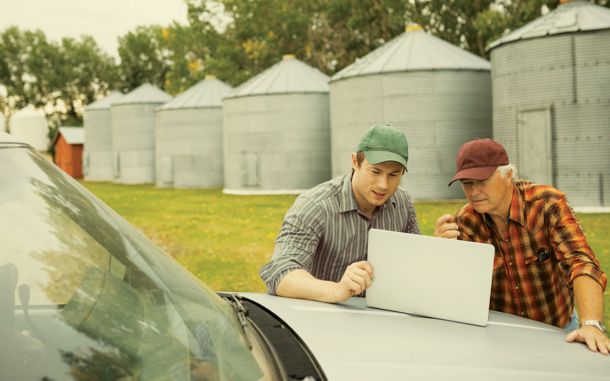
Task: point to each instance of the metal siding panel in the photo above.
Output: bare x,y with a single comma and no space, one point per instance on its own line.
580,113
289,134
133,138
437,110
535,145
193,138
98,144
593,67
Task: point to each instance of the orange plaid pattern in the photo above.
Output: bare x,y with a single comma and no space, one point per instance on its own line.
543,251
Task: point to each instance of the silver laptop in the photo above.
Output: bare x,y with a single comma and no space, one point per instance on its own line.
429,276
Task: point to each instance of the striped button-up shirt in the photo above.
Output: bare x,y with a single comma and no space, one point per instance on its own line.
323,232
544,249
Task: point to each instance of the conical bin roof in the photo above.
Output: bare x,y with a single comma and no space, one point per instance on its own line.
28,111
287,76
206,93
413,50
106,102
145,93
567,18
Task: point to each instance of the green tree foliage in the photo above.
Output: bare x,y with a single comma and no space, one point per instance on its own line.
25,66
61,77
256,34
331,34
145,57
82,74
327,34
344,30
472,25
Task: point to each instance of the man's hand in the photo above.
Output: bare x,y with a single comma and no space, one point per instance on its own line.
446,227
355,280
595,339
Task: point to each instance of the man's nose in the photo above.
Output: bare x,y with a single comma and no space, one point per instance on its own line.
382,183
475,190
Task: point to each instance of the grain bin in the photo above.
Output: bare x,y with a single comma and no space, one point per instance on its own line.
436,93
30,125
188,137
97,157
133,134
551,86
276,131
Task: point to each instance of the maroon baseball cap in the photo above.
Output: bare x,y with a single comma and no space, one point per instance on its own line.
478,159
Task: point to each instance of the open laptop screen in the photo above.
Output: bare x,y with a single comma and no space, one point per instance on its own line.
430,276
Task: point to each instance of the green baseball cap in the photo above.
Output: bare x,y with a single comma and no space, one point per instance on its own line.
383,142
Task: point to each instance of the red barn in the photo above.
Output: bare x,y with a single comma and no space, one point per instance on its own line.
68,144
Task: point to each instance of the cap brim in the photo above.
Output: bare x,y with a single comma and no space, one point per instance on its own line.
376,157
479,173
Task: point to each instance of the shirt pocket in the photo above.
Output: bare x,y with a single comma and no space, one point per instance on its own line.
540,269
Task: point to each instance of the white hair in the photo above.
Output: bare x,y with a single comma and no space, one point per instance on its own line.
505,169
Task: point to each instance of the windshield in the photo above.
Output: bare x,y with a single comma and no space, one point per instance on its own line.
85,296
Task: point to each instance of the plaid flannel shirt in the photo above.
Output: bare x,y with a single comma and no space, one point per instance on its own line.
544,249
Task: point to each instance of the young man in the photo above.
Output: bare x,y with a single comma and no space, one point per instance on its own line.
320,253
543,263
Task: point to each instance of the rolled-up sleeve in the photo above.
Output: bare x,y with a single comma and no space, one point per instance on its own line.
295,246
571,245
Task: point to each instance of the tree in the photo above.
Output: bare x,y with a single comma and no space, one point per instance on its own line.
331,34
344,30
25,56
61,77
145,57
189,51
82,72
472,25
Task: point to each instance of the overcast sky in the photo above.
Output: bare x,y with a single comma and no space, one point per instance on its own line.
105,20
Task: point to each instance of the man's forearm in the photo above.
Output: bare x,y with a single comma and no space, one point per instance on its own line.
302,285
589,298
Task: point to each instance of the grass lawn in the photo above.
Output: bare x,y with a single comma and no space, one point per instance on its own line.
224,239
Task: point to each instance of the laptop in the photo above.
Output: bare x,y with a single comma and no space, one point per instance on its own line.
429,276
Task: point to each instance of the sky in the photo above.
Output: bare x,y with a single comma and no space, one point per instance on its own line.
104,20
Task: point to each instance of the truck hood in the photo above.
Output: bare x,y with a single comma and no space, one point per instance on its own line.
354,342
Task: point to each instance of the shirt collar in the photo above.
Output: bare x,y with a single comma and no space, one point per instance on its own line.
516,212
347,200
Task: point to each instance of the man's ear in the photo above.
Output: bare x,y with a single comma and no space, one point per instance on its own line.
354,161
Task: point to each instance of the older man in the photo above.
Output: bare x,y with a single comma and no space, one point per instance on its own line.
320,253
543,263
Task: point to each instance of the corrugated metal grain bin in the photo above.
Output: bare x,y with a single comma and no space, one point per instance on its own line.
188,137
551,91
133,134
97,157
30,125
436,93
276,131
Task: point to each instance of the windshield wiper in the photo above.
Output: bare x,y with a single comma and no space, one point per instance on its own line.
242,314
